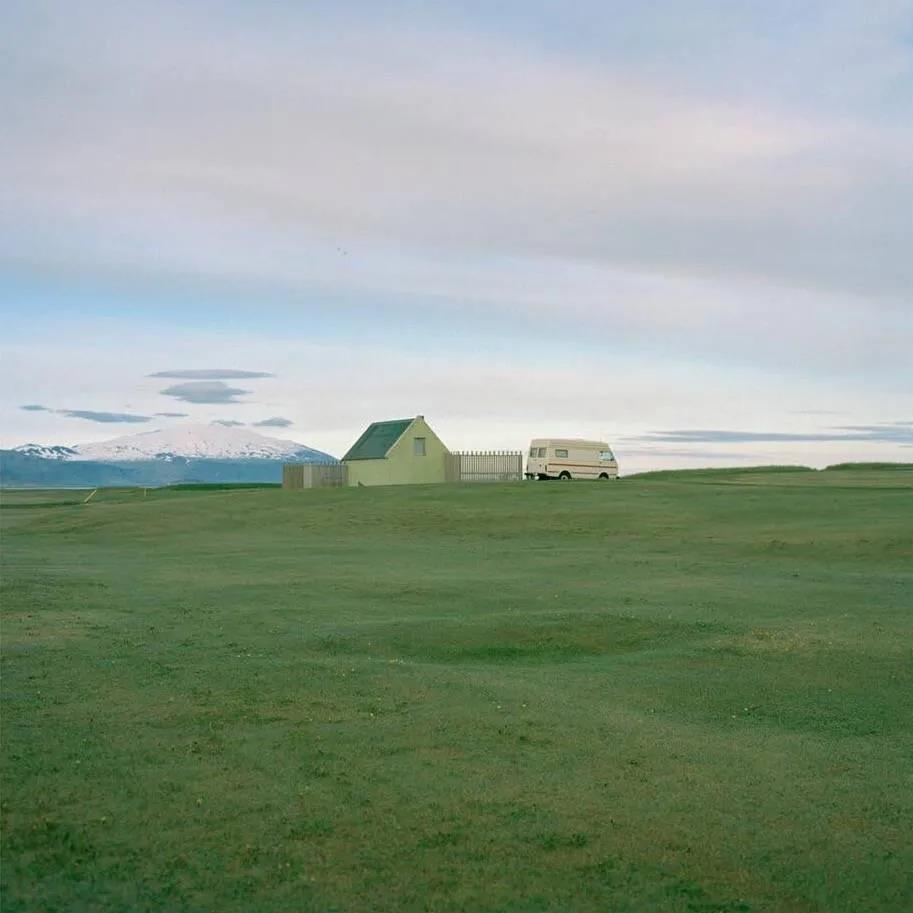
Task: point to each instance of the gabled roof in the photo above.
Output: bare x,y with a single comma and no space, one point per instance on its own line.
377,440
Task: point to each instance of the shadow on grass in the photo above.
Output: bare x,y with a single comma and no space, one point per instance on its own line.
550,638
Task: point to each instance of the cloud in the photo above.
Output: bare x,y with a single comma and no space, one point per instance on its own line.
172,414
104,417
226,423
714,191
450,160
211,374
274,422
882,433
90,415
204,391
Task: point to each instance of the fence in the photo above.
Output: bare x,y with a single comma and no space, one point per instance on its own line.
314,475
468,466
484,466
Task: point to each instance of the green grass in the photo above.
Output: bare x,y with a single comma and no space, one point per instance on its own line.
711,474
661,694
221,486
865,467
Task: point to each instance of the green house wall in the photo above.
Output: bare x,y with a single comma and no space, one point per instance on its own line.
400,466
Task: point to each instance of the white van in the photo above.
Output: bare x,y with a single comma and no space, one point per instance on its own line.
569,458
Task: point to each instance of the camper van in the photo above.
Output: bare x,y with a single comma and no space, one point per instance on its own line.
554,458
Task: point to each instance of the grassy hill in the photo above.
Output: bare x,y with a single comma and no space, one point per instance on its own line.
669,693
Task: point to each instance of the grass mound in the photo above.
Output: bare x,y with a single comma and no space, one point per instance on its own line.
867,467
715,473
220,486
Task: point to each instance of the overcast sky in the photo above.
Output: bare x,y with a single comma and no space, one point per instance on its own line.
683,226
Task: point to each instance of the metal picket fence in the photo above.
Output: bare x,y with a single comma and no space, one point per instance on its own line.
484,466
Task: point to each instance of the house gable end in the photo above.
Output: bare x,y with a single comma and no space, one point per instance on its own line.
418,428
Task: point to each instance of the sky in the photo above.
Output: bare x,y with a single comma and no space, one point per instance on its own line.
683,227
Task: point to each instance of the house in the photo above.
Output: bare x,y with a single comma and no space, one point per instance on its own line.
401,452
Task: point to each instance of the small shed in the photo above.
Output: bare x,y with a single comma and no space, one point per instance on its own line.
400,452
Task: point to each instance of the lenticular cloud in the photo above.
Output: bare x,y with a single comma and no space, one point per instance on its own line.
211,374
205,391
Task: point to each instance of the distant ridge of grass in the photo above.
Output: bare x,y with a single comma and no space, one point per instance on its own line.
219,486
713,472
870,466
26,505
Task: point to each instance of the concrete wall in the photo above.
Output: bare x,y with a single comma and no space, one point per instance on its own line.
401,466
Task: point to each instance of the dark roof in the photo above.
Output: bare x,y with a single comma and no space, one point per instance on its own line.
377,440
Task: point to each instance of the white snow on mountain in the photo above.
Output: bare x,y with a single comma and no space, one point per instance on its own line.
46,451
199,442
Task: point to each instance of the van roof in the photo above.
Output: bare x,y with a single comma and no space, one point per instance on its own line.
567,441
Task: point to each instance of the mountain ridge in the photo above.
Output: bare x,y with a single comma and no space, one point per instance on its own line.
187,453
191,441
45,451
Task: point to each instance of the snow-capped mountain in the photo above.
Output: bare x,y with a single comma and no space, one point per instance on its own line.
185,453
195,442
46,451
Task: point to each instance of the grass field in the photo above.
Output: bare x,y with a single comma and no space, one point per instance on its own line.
683,692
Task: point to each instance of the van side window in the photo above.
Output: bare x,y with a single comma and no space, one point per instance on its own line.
560,453
606,455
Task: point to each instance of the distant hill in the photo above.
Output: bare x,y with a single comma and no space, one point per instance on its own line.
189,453
870,466
716,471
722,472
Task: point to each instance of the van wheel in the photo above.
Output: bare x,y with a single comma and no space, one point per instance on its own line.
565,476
603,475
